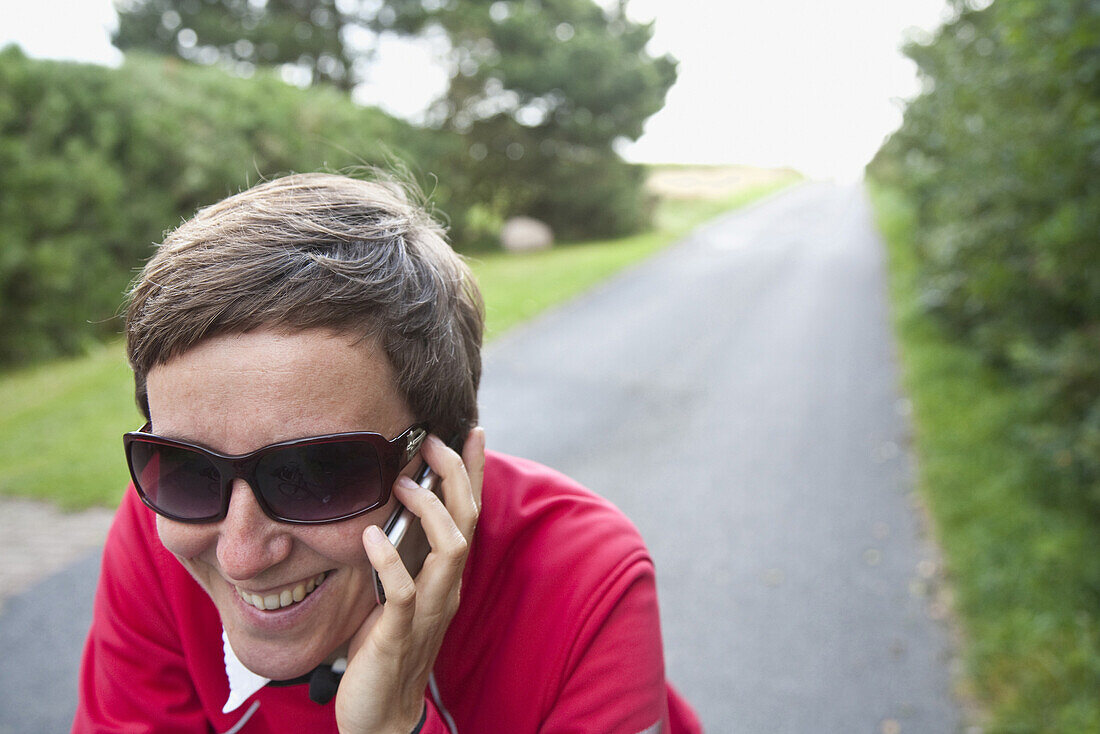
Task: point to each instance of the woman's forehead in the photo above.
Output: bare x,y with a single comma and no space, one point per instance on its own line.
265,386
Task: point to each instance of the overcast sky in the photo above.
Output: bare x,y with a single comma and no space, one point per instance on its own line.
812,84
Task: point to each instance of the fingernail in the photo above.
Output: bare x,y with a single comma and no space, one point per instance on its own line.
375,536
435,439
406,483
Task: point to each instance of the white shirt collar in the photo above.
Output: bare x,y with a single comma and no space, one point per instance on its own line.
243,683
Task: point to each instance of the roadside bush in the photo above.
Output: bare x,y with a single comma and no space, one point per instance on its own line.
96,164
1000,155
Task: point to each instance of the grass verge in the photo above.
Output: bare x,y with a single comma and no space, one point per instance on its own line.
62,422
1023,564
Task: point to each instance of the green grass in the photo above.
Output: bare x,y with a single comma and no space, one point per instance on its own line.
61,429
1024,565
62,422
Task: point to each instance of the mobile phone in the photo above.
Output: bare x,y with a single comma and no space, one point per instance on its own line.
405,532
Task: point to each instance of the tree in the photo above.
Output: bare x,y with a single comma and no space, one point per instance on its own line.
243,34
541,89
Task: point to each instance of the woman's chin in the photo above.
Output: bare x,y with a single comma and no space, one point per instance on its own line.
281,665
277,660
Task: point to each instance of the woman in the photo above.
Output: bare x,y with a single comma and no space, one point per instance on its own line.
291,347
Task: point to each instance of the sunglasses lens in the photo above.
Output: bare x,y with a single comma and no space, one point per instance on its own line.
321,481
176,481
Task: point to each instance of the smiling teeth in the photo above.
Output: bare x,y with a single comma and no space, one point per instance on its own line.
284,598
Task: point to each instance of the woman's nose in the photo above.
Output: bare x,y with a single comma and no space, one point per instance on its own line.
248,540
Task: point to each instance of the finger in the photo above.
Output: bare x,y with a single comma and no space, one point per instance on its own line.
440,578
447,542
473,456
458,496
361,634
397,616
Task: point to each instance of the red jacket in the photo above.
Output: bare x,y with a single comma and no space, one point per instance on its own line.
557,630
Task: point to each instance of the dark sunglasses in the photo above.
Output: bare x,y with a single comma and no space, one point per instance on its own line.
307,480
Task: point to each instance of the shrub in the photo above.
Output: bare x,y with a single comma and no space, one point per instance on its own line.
96,164
1000,155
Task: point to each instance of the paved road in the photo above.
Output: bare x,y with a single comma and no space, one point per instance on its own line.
737,398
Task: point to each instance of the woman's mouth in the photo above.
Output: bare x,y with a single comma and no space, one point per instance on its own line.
285,597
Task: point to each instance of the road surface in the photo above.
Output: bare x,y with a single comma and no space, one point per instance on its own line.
738,398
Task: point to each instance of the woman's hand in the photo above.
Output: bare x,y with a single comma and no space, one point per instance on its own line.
392,654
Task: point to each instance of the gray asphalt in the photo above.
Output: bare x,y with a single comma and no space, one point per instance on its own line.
737,397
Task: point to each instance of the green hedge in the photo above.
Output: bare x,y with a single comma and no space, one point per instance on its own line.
1000,157
97,163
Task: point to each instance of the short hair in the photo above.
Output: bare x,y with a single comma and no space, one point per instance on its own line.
319,250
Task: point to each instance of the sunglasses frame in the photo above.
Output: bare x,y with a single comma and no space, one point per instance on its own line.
393,456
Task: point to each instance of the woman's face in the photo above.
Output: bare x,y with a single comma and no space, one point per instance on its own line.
235,394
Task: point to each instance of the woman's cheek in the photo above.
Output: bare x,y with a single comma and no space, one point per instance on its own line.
340,542
185,540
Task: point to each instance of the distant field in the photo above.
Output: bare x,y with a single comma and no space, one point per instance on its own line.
713,183
62,421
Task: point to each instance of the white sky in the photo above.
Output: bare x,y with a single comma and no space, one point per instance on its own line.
811,84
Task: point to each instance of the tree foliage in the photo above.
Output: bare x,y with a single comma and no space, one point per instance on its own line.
241,34
1000,154
541,90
